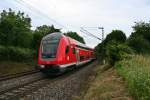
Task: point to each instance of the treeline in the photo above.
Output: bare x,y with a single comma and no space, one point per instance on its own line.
17,41
117,46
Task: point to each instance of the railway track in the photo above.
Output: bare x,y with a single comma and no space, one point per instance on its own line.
57,88
10,76
12,81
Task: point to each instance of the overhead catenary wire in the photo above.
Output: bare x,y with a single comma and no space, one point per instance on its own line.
86,34
90,34
38,11
30,10
31,7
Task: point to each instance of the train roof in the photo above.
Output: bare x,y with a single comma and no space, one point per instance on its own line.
79,44
57,35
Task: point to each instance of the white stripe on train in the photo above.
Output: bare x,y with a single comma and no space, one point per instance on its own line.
79,63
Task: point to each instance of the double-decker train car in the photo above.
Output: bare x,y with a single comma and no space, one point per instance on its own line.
58,52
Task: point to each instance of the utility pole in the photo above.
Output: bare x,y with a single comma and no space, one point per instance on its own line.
102,28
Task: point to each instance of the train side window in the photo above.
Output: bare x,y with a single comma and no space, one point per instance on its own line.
73,50
81,58
67,49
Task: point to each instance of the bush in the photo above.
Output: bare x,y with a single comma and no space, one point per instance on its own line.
116,51
110,55
16,54
139,44
100,51
3,53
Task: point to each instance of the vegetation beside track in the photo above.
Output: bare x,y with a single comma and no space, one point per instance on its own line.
9,67
105,85
130,57
128,77
136,72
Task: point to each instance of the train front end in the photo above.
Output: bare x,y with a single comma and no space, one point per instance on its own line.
49,56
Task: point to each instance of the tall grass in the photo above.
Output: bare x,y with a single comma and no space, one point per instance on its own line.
136,72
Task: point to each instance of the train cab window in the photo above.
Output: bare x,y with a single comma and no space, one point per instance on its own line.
73,50
67,49
49,45
49,49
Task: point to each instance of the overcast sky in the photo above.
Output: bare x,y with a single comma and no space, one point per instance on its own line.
70,15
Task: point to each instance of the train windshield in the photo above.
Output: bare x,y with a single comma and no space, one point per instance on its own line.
49,47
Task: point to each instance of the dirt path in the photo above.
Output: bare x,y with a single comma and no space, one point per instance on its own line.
107,85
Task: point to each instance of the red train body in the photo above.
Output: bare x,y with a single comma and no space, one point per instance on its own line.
58,52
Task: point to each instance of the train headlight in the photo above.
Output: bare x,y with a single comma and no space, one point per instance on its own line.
42,66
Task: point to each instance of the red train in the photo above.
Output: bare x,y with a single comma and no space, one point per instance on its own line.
58,52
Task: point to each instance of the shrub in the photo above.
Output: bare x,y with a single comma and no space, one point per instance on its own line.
3,53
116,51
100,51
110,55
139,44
16,54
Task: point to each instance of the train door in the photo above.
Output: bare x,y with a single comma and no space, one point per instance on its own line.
67,54
70,55
77,56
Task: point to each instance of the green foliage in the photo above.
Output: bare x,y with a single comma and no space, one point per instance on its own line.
116,52
100,51
45,29
75,36
142,29
115,35
17,39
16,54
139,44
111,46
40,32
136,73
140,38
15,29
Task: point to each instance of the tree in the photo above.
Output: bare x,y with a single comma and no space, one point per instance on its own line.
142,29
140,38
116,35
40,32
15,29
75,36
139,44
45,29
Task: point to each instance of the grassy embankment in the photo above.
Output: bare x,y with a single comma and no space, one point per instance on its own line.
16,59
136,72
128,77
11,67
106,85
